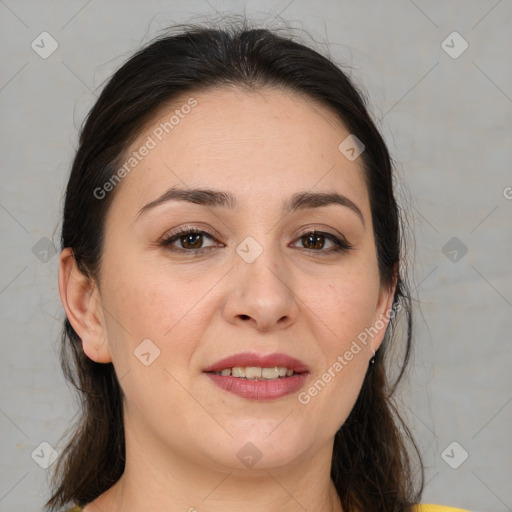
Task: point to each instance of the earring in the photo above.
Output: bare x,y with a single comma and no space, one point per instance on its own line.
372,360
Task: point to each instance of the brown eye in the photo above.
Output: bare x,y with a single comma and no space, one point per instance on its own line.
189,240
314,241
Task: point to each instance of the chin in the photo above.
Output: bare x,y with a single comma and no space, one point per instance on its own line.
259,450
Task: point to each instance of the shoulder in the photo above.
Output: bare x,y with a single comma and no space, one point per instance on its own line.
437,508
417,508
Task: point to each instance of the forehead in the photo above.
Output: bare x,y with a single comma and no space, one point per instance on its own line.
269,141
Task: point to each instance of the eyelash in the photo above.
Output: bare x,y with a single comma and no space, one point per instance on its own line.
341,244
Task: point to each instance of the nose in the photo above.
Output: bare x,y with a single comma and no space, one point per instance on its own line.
262,293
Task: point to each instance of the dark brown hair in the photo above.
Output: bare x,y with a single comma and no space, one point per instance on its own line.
371,466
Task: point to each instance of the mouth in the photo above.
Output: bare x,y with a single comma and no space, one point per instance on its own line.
257,372
257,377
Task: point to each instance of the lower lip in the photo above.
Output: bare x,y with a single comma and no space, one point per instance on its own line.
260,389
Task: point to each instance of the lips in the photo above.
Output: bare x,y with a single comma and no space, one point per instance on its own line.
263,361
250,389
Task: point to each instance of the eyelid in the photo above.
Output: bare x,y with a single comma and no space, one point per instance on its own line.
187,228
324,231
320,231
339,241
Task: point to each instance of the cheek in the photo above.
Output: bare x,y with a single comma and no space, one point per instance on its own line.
152,302
335,386
344,309
348,305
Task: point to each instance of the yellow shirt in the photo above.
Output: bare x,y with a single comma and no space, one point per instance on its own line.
436,508
417,508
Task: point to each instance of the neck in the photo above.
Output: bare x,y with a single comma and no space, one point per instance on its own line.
157,479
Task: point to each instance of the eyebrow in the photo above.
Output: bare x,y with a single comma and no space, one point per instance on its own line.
218,198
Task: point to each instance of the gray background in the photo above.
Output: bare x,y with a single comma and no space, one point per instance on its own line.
447,122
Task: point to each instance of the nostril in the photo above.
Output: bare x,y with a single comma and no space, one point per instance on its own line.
244,317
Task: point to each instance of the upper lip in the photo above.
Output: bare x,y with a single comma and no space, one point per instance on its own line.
263,361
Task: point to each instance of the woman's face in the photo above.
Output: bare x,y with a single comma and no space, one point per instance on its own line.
255,281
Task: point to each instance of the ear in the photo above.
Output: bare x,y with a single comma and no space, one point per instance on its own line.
82,304
384,312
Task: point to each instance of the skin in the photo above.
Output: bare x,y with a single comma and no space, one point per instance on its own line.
182,431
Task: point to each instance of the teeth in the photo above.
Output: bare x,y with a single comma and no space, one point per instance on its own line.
257,373
252,372
238,371
270,373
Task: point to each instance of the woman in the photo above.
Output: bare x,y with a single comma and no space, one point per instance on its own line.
231,273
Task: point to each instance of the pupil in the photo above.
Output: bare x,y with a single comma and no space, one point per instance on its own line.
188,240
312,238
